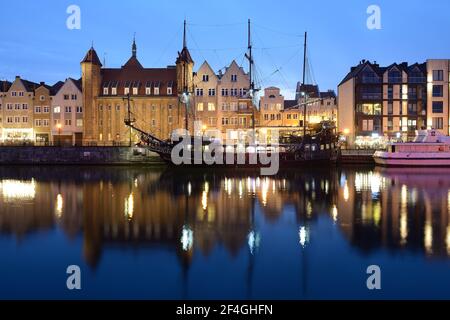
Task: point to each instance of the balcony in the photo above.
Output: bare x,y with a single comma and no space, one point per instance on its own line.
417,80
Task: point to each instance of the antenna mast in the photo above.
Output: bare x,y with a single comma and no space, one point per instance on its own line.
249,56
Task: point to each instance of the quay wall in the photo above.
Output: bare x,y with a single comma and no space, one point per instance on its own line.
95,155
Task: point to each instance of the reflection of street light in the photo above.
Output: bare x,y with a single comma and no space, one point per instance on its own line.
59,126
204,127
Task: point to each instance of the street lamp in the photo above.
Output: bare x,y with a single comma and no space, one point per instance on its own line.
204,127
59,126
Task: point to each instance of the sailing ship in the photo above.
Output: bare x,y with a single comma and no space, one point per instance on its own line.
301,147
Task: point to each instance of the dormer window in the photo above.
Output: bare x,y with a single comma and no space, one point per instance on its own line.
114,85
169,88
126,88
233,77
148,88
156,88
205,78
106,88
136,85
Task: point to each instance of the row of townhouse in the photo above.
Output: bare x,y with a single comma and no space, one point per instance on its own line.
39,113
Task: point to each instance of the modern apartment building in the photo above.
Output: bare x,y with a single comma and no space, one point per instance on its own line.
377,104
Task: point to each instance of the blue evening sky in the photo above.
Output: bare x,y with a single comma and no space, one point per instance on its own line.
37,45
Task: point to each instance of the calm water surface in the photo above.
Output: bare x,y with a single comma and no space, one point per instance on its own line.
164,234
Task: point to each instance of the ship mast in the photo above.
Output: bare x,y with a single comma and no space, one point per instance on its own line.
185,89
249,57
303,85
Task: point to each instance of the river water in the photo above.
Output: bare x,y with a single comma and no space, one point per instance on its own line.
158,233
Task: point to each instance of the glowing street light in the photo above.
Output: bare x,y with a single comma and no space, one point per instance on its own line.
59,127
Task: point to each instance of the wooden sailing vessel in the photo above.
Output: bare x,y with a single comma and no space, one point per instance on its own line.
319,147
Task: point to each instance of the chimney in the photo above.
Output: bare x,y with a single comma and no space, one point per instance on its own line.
17,77
42,83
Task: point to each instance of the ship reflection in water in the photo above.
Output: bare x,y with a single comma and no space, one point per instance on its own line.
165,234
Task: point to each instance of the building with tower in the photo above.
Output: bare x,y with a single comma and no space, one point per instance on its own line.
155,97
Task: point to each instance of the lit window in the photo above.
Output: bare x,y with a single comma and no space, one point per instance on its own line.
79,122
135,91
211,106
200,106
169,90
57,109
114,91
156,91
148,91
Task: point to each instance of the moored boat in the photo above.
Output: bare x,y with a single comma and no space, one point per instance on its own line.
429,149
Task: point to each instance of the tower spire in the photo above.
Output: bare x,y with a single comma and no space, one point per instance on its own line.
184,34
134,47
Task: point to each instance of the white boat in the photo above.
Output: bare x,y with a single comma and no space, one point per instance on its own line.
429,149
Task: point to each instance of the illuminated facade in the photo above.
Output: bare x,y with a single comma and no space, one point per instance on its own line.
287,115
377,104
222,101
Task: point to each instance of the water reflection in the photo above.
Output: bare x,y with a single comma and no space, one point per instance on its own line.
198,212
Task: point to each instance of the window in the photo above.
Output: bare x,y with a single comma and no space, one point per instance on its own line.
233,77
153,122
369,108
390,92
289,116
242,92
66,96
126,91
272,116
20,93
156,91
79,109
199,92
266,117
243,121
9,106
57,109
295,116
278,116
211,106
169,90
438,123
412,93
42,98
438,75
390,124
68,122
74,97
25,119
394,76
224,92
68,109
79,122
37,122
438,91
212,92
233,106
412,108
17,106
367,125
224,106
212,121
135,91
200,106
25,106
9,119
56,122
45,123
205,78
225,121
169,119
37,109
242,106
234,92
117,107
114,91
46,109
390,108
16,119
438,107
14,94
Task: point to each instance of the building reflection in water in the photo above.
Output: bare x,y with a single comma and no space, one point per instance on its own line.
396,209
